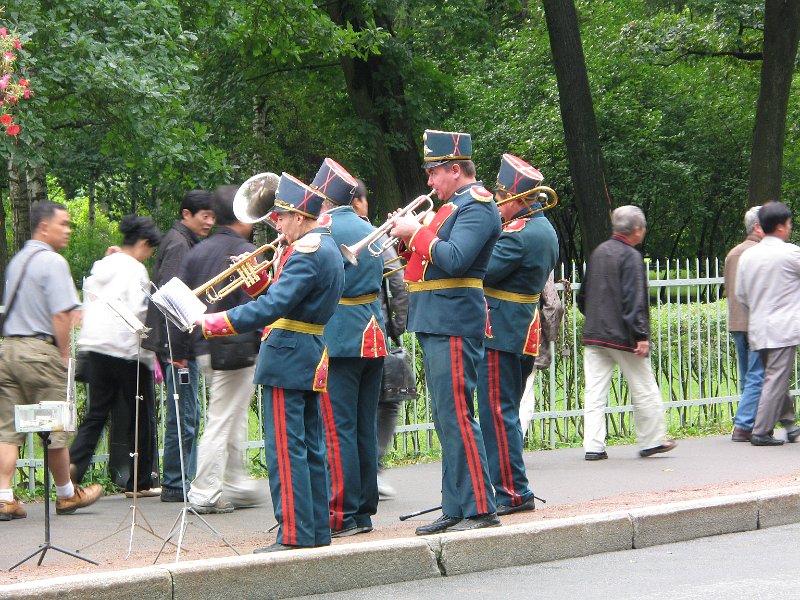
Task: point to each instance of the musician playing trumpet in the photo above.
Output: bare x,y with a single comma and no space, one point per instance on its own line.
356,342
447,260
521,262
293,364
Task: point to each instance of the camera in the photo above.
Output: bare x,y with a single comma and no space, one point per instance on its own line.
183,376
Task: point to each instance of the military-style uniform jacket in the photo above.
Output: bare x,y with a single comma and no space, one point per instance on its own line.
297,305
356,328
521,262
447,262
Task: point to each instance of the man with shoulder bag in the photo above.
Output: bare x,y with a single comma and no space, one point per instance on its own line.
228,365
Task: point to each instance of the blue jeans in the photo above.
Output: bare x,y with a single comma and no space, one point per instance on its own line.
751,380
190,418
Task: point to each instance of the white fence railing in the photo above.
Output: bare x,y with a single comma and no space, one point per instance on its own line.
693,359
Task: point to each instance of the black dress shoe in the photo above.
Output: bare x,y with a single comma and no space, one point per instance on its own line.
438,526
792,434
505,509
478,522
595,455
665,447
276,547
740,434
765,440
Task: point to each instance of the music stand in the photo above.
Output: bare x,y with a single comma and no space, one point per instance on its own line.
180,524
135,326
47,545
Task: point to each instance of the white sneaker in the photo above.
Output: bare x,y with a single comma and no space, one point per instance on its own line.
385,491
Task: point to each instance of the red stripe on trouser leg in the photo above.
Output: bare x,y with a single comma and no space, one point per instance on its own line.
500,433
334,464
289,525
467,437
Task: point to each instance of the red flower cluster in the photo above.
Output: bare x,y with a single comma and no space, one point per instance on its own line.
11,90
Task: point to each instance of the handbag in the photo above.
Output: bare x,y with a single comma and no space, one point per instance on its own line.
234,352
398,377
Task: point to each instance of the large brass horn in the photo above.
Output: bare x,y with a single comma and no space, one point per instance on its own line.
255,198
370,242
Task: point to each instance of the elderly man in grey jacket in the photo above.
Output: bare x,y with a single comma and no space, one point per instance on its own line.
768,286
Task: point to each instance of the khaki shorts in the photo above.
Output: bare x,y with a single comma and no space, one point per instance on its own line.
31,371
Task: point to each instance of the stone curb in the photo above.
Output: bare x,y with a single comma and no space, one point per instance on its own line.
343,567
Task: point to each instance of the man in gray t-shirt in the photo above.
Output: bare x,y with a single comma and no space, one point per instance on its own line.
40,300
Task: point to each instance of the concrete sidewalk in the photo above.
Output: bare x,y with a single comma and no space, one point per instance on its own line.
592,507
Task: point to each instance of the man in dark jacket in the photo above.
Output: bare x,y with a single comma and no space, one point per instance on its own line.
228,366
613,297
175,351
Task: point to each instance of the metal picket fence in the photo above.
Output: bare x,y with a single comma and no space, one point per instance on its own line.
693,359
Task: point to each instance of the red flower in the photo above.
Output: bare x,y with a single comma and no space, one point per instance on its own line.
12,129
17,45
3,32
23,82
6,120
9,56
27,93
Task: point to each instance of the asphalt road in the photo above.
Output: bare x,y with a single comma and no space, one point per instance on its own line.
743,566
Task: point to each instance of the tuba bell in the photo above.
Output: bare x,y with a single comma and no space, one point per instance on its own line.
255,198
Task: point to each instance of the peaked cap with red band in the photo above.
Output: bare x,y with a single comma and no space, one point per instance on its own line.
334,182
442,146
516,176
293,195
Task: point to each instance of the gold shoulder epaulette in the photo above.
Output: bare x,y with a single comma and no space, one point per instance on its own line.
308,243
481,194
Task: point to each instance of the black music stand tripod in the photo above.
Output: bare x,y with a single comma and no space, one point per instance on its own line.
43,548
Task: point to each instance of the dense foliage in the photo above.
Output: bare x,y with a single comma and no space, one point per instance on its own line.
136,103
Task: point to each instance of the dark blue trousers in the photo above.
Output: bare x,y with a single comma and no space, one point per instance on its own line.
501,380
296,462
451,374
349,412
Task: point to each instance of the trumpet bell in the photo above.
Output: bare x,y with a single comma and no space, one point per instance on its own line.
255,198
350,253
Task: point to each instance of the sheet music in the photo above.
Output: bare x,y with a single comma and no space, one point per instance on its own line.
179,301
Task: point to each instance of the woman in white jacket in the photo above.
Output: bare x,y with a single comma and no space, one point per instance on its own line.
113,350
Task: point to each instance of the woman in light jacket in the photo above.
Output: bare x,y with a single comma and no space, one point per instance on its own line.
113,351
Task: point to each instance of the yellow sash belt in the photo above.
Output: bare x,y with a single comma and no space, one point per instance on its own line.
511,296
298,326
443,284
365,299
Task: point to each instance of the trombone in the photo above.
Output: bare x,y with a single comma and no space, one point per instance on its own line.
370,242
551,199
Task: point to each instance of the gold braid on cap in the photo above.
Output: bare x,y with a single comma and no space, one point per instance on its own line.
292,208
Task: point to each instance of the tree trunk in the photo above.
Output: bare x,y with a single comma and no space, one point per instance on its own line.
37,185
20,205
371,84
134,192
580,127
781,30
92,201
3,246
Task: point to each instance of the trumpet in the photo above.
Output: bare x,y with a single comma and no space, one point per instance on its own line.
252,203
244,272
370,242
